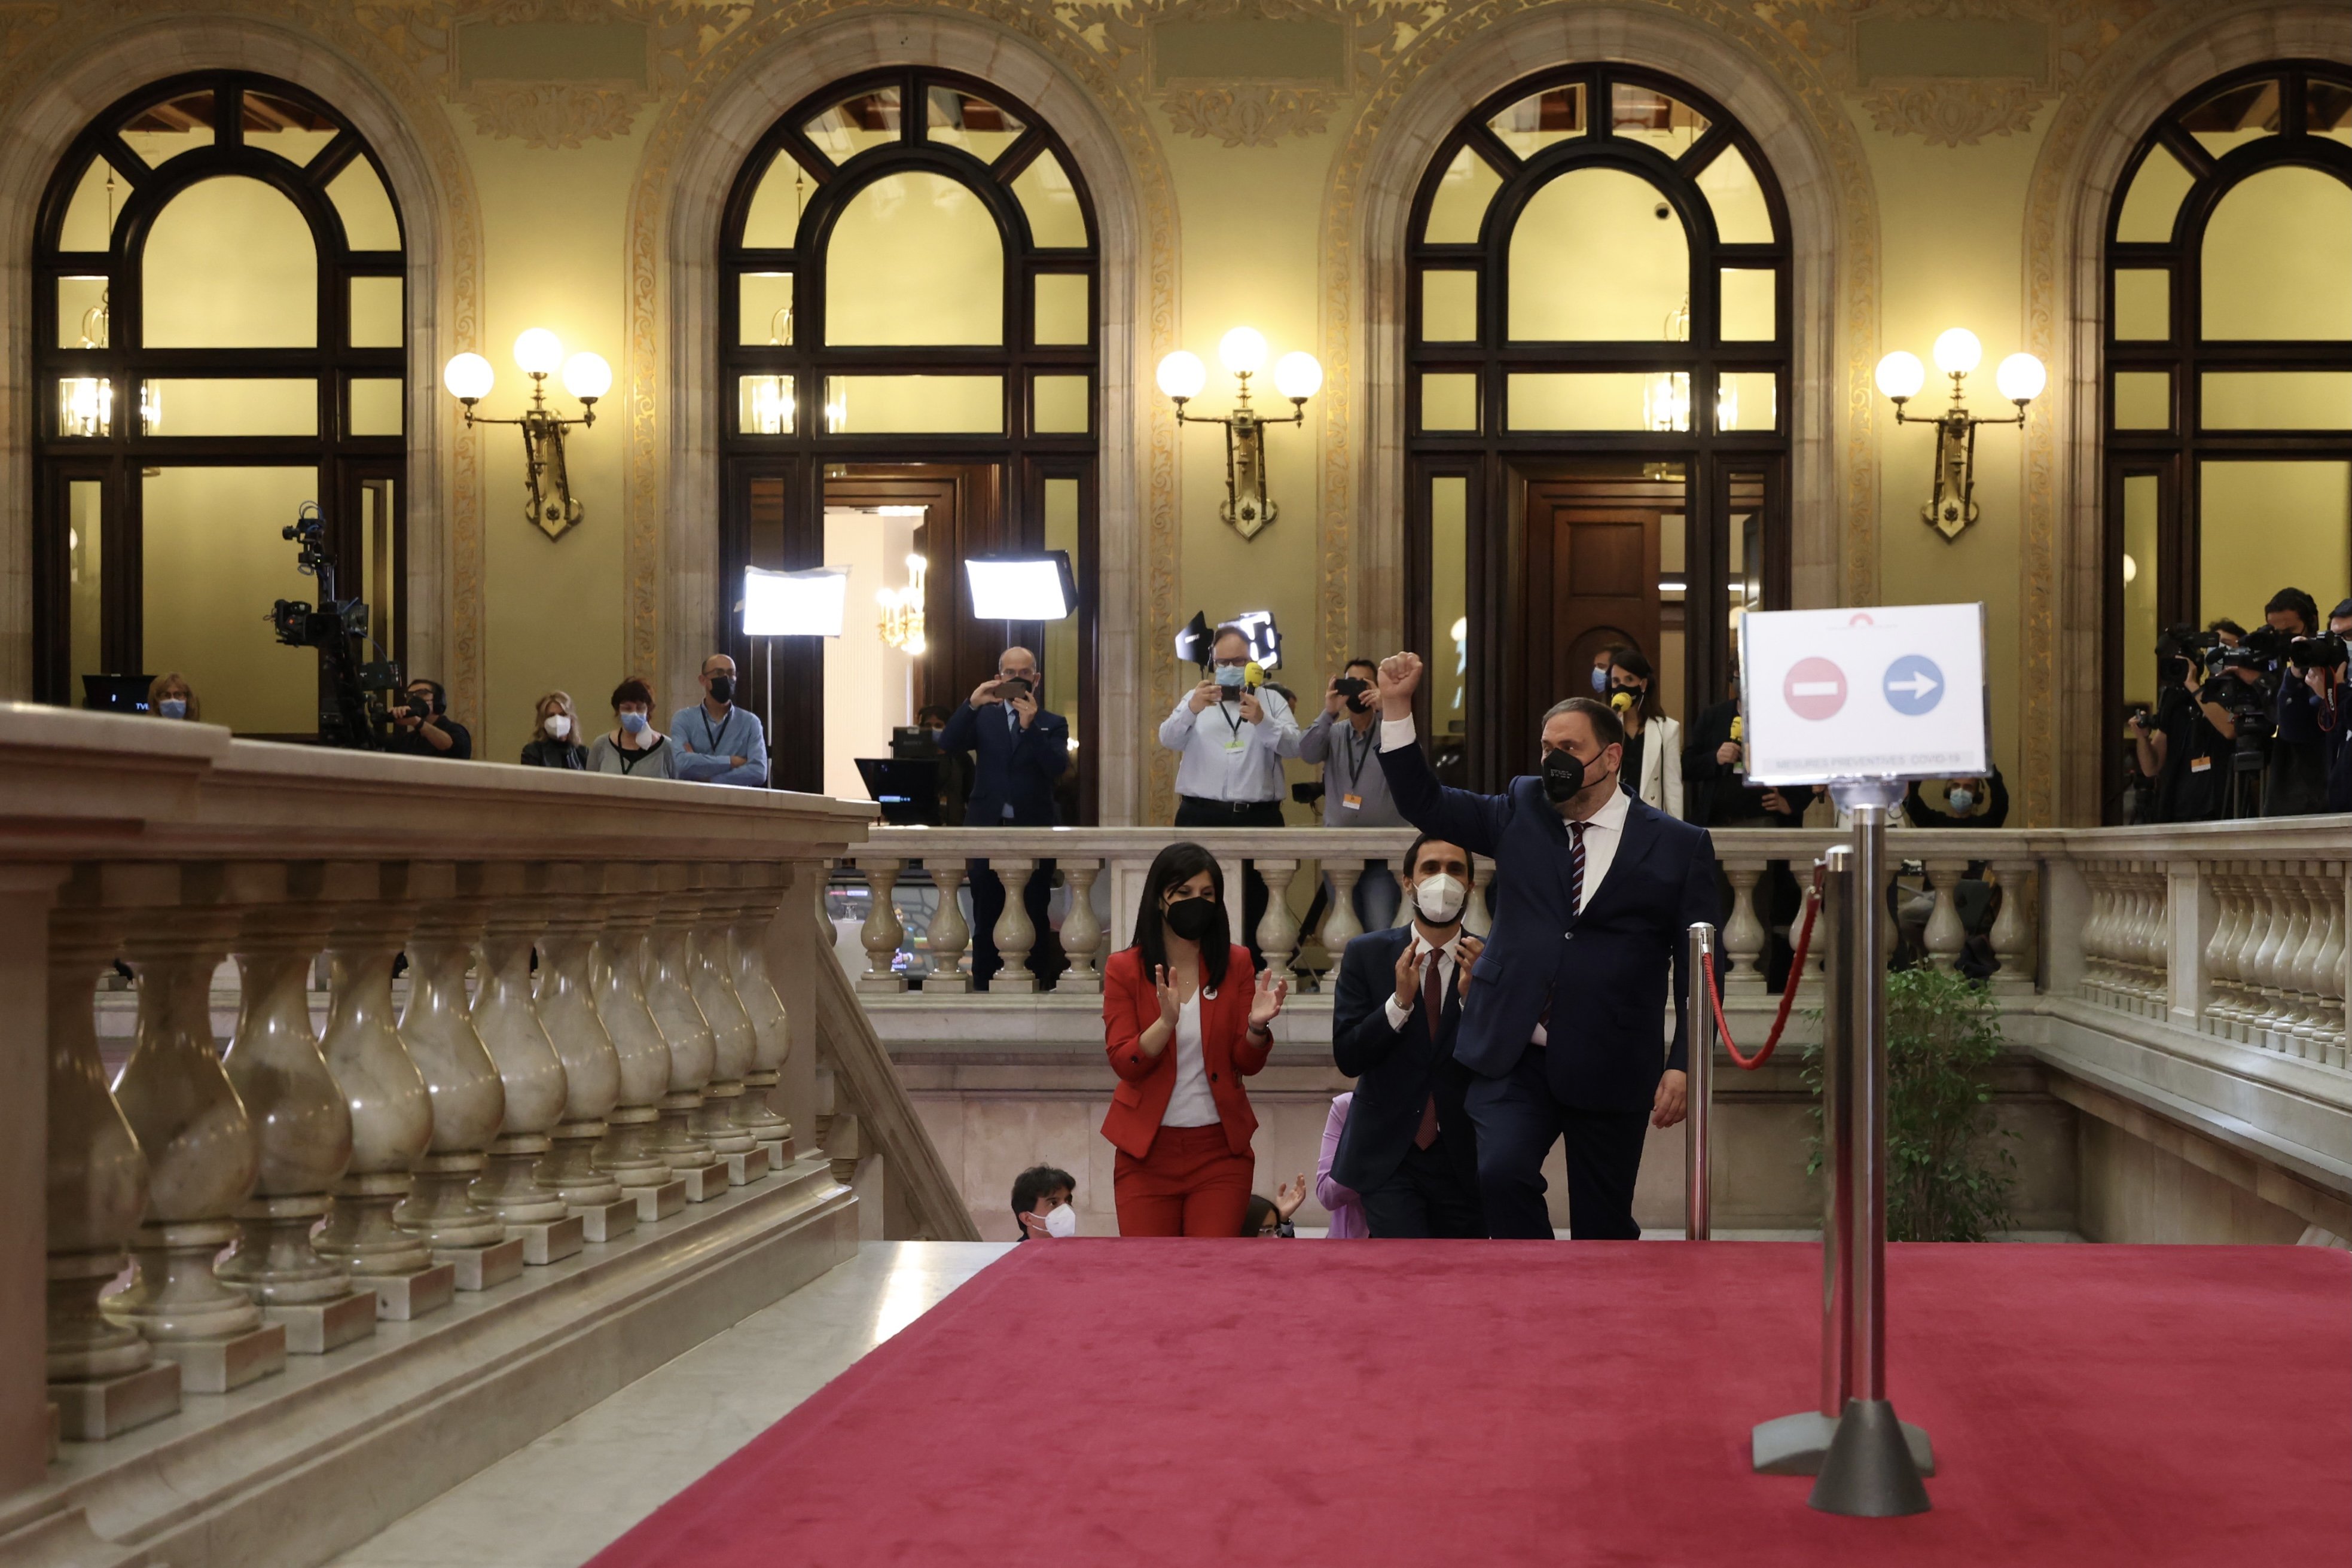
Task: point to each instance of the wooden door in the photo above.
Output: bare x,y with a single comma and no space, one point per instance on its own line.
1591,580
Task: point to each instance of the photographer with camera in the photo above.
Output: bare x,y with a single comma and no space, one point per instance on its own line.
1345,742
421,725
1021,752
2176,748
1231,735
2326,670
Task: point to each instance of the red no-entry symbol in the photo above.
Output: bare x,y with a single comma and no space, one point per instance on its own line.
1815,688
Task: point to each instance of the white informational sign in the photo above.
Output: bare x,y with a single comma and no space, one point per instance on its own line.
1891,691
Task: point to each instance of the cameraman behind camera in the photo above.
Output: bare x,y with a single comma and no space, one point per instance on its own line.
421,726
1345,738
2176,748
2327,673
2297,784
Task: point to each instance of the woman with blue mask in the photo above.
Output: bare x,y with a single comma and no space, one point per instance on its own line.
634,746
170,696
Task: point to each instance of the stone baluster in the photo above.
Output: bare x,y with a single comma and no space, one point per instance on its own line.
301,1122
103,1376
2155,940
2220,949
2266,1010
203,1159
2012,929
734,1042
392,1110
1475,917
1082,931
1945,937
685,1132
2332,989
2130,945
1340,925
469,1100
1744,936
883,934
950,933
2299,1031
1277,928
506,1016
2249,1003
633,1147
565,999
2094,906
1015,934
2100,975
747,956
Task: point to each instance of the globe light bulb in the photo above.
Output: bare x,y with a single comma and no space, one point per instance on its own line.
469,377
1901,375
538,352
1241,350
1958,352
2021,378
587,377
1298,375
1182,375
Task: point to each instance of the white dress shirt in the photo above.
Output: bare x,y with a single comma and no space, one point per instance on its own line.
1224,756
1445,967
1604,830
1191,1104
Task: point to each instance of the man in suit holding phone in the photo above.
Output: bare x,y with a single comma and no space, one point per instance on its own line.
1021,752
1408,1150
1564,1028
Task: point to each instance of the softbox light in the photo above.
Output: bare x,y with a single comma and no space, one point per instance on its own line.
1028,588
1264,636
1193,644
794,603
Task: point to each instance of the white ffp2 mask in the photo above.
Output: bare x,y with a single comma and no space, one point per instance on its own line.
558,726
1438,899
1063,1221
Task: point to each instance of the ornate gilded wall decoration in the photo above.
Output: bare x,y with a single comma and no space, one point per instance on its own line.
544,117
1248,116
1955,114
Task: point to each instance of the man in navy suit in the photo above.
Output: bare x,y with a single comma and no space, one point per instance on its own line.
1407,1149
1564,1025
1021,752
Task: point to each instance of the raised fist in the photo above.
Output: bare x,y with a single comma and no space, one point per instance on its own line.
1399,677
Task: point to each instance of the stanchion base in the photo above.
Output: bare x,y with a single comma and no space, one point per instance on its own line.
1796,1445
1868,1473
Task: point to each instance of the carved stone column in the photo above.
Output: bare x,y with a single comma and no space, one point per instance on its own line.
506,1016
757,900
566,1000
1475,917
202,1157
469,1102
103,1376
631,1150
685,1141
1277,929
392,1111
1945,937
1015,934
301,1122
1744,935
883,933
710,978
1081,932
951,933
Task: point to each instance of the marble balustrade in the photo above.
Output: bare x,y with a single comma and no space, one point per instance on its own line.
583,961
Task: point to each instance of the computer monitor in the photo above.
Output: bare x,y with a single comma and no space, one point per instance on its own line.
116,693
907,792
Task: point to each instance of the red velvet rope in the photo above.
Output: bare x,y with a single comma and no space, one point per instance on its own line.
1788,992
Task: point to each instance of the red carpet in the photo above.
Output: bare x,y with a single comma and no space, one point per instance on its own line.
1103,1403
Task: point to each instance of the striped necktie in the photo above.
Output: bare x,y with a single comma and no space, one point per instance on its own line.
1576,869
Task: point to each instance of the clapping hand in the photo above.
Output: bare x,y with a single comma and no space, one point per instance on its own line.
1399,677
1289,1196
1266,1000
1467,949
1409,966
1163,985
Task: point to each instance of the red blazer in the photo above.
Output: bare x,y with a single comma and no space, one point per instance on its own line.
1145,1083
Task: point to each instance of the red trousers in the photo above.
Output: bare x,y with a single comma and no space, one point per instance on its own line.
1190,1184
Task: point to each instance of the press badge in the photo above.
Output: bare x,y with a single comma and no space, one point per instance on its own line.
1352,802
2200,764
1238,743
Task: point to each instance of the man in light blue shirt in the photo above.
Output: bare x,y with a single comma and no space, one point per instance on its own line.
716,741
1231,742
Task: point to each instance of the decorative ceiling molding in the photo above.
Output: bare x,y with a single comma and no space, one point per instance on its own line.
1953,114
1249,116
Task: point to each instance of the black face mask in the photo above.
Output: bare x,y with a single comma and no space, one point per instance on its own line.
1563,775
722,688
1191,918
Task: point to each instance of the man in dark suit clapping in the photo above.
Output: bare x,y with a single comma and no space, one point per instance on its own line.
1020,752
1565,1024
1407,1149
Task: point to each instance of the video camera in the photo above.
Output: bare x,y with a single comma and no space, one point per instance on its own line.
356,695
2326,651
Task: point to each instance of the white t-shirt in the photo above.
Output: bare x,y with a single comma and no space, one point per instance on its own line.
1190,1105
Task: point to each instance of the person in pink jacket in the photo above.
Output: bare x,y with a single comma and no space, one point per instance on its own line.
1347,1213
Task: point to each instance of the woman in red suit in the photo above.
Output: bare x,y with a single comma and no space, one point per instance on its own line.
1181,1039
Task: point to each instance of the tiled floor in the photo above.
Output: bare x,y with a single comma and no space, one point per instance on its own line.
562,1500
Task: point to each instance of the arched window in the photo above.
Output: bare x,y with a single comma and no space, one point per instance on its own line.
220,309
1597,345
2229,364
907,334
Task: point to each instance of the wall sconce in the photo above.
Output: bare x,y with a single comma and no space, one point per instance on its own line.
536,355
1297,375
2021,379
902,611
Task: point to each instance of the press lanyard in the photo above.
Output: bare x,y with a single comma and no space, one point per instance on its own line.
711,743
1356,754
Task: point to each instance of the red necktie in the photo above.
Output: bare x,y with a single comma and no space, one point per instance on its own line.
1432,1008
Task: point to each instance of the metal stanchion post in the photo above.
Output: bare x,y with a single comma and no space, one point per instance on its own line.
1700,1041
1870,1470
